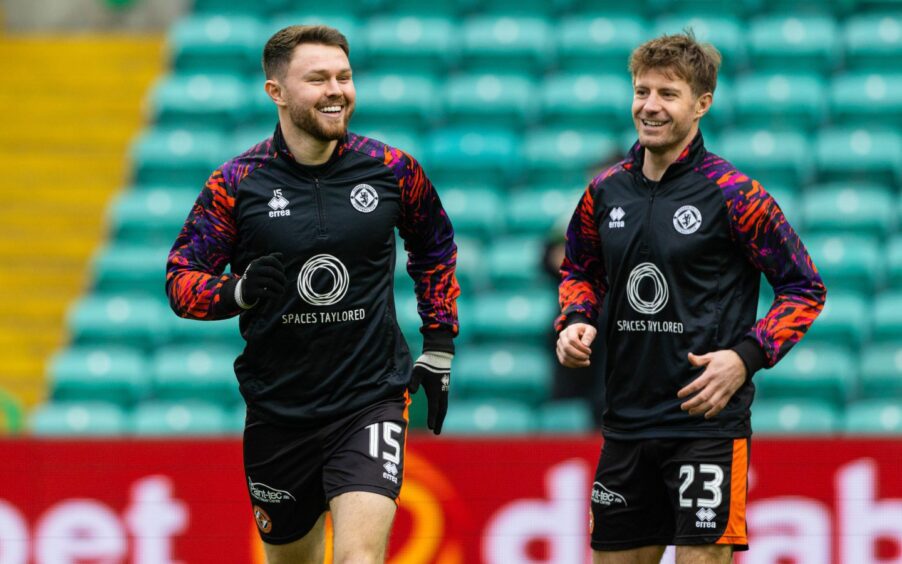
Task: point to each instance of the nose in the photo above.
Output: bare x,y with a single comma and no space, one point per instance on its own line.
332,87
652,103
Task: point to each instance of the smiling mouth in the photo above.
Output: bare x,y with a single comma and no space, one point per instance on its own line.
653,123
330,110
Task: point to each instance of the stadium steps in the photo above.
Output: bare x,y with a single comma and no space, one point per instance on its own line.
76,103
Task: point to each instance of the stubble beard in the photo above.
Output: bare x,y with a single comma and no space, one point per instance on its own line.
307,120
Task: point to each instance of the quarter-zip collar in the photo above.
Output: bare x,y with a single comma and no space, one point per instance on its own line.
689,158
310,170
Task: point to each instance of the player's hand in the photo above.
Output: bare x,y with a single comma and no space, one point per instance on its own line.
433,370
264,278
573,342
724,374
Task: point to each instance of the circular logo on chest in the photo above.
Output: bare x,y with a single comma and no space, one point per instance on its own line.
687,220
364,198
332,269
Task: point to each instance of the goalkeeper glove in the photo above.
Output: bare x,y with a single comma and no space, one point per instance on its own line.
263,278
433,370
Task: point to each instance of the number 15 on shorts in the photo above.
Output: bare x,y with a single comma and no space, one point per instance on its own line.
385,444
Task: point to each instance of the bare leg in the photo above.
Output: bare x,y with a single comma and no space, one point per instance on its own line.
307,550
362,523
644,555
705,554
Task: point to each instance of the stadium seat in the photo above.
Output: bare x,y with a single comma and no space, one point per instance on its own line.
411,44
780,101
861,155
128,267
191,372
537,211
881,371
718,27
811,371
73,419
565,417
695,7
403,139
873,41
853,209
887,317
894,262
471,271
600,102
137,321
195,332
495,416
789,201
473,211
790,43
116,375
406,101
514,315
566,157
598,43
515,44
844,319
490,99
794,418
152,216
515,262
216,102
253,7
874,417
771,157
517,372
867,99
177,157
849,262
460,155
180,418
11,414
215,43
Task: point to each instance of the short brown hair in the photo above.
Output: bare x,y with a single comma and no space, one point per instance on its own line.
682,55
278,50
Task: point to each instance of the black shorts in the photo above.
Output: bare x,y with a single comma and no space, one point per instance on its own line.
670,492
293,473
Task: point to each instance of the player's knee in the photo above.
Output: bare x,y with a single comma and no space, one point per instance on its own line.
360,556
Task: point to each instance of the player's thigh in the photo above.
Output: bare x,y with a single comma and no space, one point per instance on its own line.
310,549
644,555
362,522
708,554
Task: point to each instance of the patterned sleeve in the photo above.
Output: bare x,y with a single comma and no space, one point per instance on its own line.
773,247
583,277
429,241
194,271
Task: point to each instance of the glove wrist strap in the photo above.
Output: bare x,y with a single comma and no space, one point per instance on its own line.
239,299
437,360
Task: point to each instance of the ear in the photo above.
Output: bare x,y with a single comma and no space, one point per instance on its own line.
274,90
703,104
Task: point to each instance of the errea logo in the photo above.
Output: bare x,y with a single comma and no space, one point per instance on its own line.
617,215
705,518
278,203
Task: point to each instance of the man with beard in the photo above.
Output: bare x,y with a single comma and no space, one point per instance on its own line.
308,217
677,238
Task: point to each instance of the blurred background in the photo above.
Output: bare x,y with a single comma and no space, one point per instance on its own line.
116,111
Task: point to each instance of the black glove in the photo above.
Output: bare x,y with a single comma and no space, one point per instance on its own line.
263,278
433,370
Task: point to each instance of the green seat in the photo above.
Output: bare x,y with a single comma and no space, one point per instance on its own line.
844,319
132,320
873,41
600,102
457,155
565,156
253,7
405,101
789,201
718,27
150,217
887,316
598,43
566,417
220,332
177,157
794,417
200,101
415,44
470,271
77,418
130,267
538,211
516,372
408,319
874,99
189,372
853,209
811,371
515,261
881,371
874,417
489,99
860,155
402,139
247,138
780,100
850,262
771,157
695,7
790,43
488,417
474,211
180,418
514,314
831,8
116,375
11,414
515,44
534,8
894,262
213,43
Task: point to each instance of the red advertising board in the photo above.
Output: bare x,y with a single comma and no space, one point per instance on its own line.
464,501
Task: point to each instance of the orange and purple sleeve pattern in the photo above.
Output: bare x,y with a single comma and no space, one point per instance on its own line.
583,277
194,271
771,244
